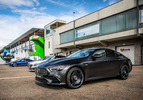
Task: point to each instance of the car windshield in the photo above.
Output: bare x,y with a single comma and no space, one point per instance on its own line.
19,59
49,58
81,53
41,59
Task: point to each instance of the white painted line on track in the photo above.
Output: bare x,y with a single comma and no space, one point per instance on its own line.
16,77
13,70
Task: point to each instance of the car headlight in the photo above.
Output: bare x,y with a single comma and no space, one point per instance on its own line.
57,68
35,64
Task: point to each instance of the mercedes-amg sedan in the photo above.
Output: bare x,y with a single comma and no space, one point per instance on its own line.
84,65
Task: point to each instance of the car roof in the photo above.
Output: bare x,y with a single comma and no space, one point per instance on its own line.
97,49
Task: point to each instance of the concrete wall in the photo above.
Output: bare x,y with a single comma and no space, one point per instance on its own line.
49,51
117,39
100,14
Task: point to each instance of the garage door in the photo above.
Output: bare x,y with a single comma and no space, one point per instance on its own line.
128,51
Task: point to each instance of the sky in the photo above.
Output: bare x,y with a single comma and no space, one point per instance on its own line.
18,16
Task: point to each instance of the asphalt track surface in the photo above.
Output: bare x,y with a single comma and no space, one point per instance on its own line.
17,83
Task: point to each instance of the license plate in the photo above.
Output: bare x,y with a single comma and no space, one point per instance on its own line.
39,76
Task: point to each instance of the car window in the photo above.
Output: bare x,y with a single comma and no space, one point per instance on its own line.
111,53
27,59
48,59
22,60
102,53
81,53
117,54
59,57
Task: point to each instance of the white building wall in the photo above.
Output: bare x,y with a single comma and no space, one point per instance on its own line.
49,51
21,53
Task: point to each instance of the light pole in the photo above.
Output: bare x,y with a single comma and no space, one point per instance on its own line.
74,27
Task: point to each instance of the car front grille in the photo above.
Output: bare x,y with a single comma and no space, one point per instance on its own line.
41,71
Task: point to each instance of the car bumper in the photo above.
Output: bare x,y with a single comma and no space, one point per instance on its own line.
52,78
31,67
48,81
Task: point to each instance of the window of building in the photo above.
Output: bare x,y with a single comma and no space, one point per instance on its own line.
141,16
49,30
49,44
94,29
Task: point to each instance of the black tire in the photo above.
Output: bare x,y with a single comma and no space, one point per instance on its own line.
124,72
14,65
75,78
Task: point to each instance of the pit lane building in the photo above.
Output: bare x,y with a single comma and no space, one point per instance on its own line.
118,27
25,46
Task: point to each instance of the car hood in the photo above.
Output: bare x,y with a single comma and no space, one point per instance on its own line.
36,62
63,61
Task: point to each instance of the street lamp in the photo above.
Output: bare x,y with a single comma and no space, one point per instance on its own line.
74,27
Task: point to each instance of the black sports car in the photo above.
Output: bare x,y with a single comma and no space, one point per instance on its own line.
84,65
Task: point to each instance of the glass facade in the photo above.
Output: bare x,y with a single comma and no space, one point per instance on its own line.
120,22
48,31
87,31
67,36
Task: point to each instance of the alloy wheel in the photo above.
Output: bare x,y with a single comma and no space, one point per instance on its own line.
75,78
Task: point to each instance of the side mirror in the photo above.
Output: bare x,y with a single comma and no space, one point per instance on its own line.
96,56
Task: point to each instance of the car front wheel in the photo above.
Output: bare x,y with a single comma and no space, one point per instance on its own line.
14,65
75,78
124,72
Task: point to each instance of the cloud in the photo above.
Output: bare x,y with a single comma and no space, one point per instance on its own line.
13,3
14,26
31,12
112,1
58,3
43,8
104,0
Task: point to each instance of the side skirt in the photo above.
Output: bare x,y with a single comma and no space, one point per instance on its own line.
100,77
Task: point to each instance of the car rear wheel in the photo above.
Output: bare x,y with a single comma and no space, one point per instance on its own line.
124,72
75,78
14,65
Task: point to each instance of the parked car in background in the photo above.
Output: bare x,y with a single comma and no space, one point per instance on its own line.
20,62
12,61
84,65
33,64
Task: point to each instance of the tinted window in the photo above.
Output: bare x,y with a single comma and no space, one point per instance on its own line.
118,54
110,53
27,59
48,59
22,59
81,53
59,56
102,53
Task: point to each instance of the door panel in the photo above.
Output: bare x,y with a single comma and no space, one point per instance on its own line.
21,62
99,67
114,64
